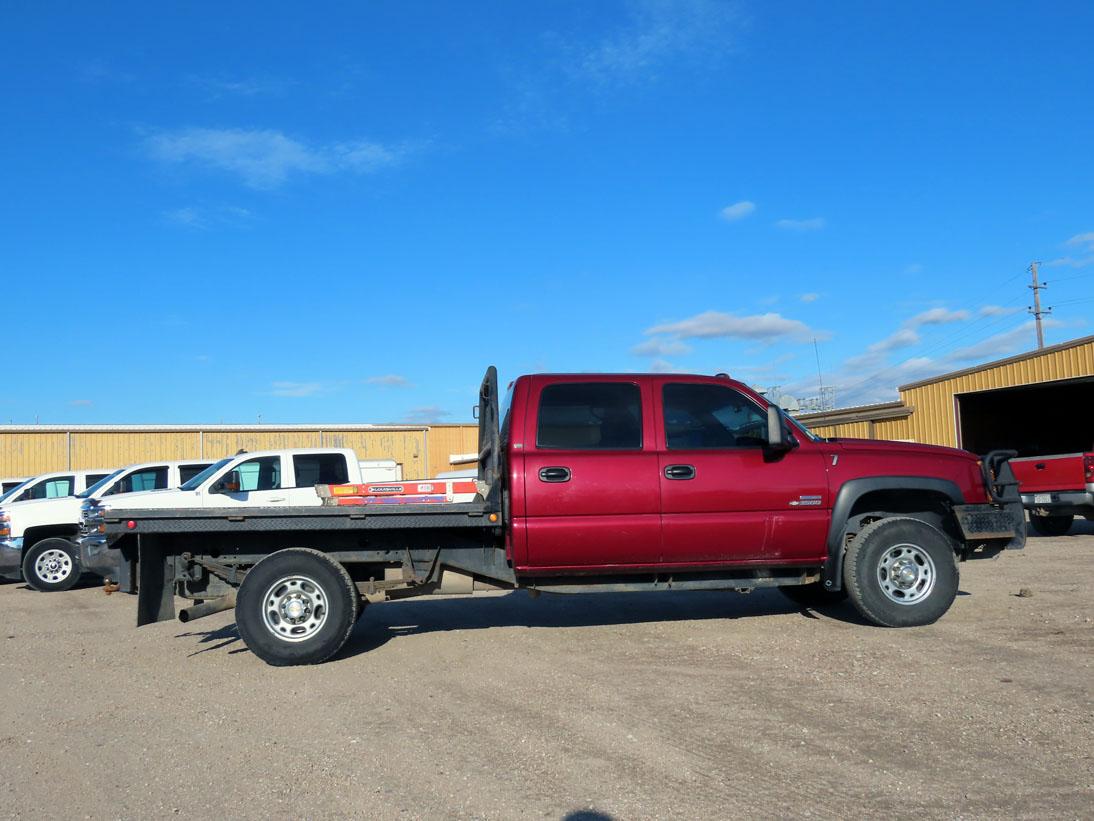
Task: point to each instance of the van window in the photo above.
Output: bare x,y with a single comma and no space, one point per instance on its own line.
701,416
92,478
263,473
590,416
320,469
188,472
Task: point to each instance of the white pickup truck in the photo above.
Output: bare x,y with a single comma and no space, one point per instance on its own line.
53,485
39,532
275,478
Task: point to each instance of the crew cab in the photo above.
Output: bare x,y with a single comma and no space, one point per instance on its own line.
39,533
54,485
591,483
1056,489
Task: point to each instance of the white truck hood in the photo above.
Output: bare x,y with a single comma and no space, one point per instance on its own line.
34,512
144,499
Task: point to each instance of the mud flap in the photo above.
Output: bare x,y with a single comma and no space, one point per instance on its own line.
155,582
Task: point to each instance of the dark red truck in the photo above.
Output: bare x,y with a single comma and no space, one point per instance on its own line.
597,483
1056,489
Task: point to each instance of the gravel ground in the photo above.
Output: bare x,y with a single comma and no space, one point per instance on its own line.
622,706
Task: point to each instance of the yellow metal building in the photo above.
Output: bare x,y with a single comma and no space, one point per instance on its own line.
971,408
422,450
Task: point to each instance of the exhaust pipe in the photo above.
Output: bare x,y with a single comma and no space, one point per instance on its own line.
207,608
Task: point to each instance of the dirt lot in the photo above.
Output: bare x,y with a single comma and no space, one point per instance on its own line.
625,706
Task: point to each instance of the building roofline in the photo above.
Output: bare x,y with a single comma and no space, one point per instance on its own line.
269,428
859,413
998,363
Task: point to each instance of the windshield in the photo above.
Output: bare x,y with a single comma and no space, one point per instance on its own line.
99,485
196,481
802,428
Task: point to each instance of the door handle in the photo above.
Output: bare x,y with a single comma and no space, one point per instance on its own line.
680,472
1040,466
554,474
278,499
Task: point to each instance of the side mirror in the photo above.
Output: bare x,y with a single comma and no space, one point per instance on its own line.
778,440
229,484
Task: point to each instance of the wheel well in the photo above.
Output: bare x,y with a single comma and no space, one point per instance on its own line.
33,535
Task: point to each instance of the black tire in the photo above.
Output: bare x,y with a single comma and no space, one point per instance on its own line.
1050,525
814,595
52,565
296,583
925,560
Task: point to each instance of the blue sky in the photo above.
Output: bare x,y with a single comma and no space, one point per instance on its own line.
344,212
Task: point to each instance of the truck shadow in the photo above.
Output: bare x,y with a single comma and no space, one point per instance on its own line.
381,623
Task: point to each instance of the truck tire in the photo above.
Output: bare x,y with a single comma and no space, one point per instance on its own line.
296,606
901,572
51,565
813,595
1050,525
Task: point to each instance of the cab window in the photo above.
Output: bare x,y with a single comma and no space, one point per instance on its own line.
699,416
54,488
144,479
188,472
320,469
262,473
590,416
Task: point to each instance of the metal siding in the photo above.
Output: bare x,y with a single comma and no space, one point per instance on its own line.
114,450
28,452
447,440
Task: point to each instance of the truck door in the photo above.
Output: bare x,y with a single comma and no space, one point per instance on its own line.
724,497
253,482
590,476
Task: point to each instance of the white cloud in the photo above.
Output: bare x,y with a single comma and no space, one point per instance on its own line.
1019,339
1085,243
663,366
937,316
737,211
266,158
656,33
81,403
426,414
714,325
296,389
997,310
205,218
903,338
810,297
391,380
811,224
223,86
660,347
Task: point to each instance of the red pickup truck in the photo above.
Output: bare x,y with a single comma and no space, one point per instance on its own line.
595,483
1056,489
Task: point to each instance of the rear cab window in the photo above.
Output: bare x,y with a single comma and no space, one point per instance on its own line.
590,416
188,472
320,469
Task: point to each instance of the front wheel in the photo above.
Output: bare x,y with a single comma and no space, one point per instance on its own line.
52,565
296,606
1050,525
901,572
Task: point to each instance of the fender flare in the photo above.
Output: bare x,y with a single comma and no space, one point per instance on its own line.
853,490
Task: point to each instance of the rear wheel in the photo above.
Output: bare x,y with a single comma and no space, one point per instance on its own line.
296,606
901,572
1050,525
812,595
52,565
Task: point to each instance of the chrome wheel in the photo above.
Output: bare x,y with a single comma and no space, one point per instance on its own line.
53,566
906,574
295,608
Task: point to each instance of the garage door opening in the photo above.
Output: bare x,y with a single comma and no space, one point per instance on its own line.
1035,420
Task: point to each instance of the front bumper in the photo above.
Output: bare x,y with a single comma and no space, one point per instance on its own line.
11,559
1062,503
97,557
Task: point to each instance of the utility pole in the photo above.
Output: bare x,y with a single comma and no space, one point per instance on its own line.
1036,308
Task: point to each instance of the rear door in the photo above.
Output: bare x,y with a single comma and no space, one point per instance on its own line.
725,498
590,474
